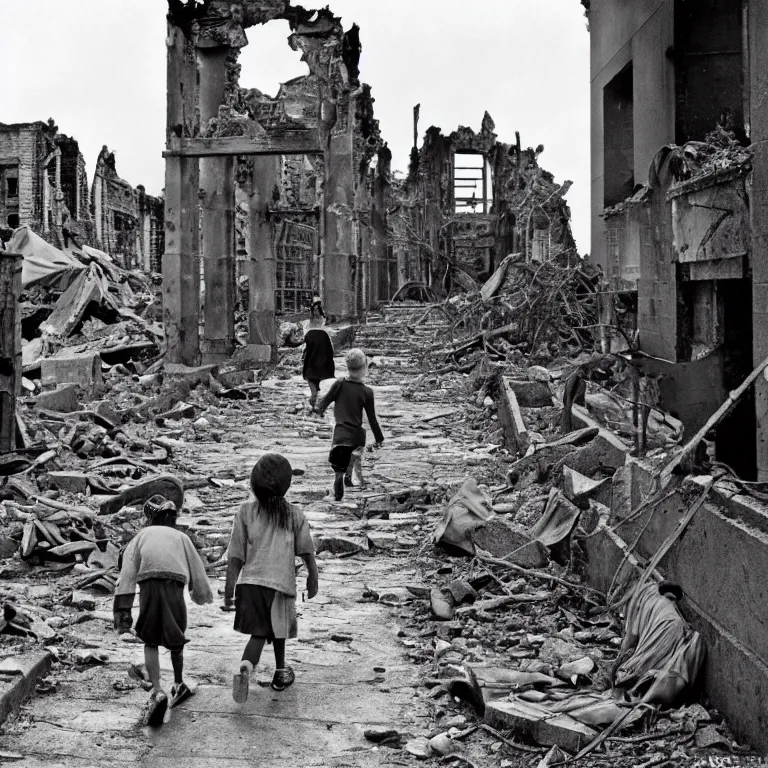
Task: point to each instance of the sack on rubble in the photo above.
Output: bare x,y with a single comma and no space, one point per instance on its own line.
468,509
661,655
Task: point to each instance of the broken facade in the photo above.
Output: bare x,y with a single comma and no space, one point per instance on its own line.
44,185
470,200
128,222
285,182
677,194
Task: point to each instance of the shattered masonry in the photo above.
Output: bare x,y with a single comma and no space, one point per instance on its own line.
679,225
515,206
289,174
43,185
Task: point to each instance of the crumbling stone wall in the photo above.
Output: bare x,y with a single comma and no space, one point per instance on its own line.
22,146
127,220
524,210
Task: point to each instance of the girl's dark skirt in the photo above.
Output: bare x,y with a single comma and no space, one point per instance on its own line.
264,612
162,613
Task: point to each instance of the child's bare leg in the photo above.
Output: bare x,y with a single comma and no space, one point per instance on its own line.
177,659
279,653
359,466
152,660
252,652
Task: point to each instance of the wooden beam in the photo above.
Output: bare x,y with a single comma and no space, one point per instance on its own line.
287,143
10,347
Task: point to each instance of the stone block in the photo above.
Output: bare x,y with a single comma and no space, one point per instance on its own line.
83,600
231,379
462,592
192,375
531,394
501,539
441,605
73,482
528,720
253,355
63,399
81,369
339,545
382,540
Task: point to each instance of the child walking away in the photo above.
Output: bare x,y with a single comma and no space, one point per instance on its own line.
267,535
351,397
318,358
162,561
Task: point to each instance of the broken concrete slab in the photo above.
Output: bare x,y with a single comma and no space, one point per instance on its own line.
63,399
533,721
382,540
577,486
73,482
500,539
252,355
72,368
339,545
441,605
25,670
462,592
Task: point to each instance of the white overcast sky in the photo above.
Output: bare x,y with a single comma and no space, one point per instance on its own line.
98,68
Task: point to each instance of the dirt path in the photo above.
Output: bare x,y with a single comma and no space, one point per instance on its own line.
352,671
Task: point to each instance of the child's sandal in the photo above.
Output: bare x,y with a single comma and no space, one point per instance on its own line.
282,679
155,709
240,683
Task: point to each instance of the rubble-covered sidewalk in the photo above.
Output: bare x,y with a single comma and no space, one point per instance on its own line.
485,650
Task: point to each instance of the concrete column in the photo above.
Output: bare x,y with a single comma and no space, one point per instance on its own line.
380,290
181,262
262,330
758,69
339,247
10,347
217,182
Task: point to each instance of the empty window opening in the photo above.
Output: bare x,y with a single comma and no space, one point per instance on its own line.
709,68
618,133
12,188
268,60
471,183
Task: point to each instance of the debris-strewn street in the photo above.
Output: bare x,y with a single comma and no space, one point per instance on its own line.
381,442
407,652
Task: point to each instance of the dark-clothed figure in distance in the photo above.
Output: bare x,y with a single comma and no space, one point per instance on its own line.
317,358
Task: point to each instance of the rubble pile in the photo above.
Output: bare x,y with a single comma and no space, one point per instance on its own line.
719,152
525,312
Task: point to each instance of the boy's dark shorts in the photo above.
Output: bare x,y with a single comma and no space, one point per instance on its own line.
340,456
162,613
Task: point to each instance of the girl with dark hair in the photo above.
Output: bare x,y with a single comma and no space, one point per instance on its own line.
162,561
267,535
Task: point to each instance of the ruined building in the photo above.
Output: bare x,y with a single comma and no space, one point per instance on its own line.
44,185
679,224
128,222
470,200
272,193
677,194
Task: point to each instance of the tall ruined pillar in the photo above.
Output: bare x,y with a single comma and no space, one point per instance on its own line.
758,68
380,290
181,261
262,330
10,347
217,182
339,246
